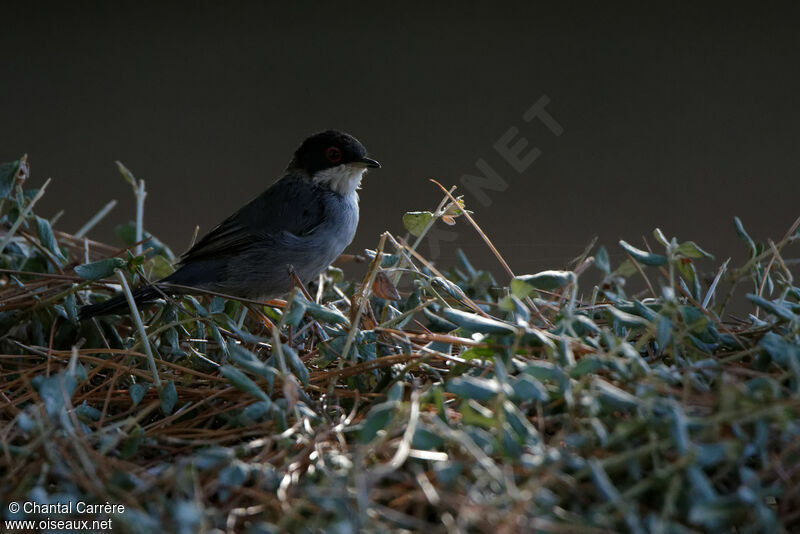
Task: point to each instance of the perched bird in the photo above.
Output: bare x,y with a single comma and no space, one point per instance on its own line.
303,222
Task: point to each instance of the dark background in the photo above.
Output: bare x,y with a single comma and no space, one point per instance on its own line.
674,116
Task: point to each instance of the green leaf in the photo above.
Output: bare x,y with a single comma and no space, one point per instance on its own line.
8,173
471,272
159,267
137,391
779,349
686,269
440,284
325,314
603,482
660,237
526,387
699,482
627,319
695,319
438,324
257,410
168,396
587,364
642,310
335,273
88,413
522,286
473,322
131,445
690,249
395,393
216,306
447,472
601,260
72,308
663,331
252,364
416,221
711,454
234,474
127,175
470,387
716,513
543,370
99,269
426,440
479,353
613,397
387,260
679,428
378,417
737,222
47,238
583,324
127,233
776,309
53,389
507,303
188,514
473,414
521,425
645,258
212,457
223,345
626,268
242,382
298,367
295,310
511,445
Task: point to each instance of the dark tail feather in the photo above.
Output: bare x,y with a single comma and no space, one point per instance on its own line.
119,304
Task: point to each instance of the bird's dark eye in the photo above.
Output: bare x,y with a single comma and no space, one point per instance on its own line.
334,154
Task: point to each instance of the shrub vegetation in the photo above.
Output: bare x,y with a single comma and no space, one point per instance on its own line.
539,403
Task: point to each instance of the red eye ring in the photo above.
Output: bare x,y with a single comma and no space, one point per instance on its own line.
334,154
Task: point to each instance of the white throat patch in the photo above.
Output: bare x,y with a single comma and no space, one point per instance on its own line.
343,179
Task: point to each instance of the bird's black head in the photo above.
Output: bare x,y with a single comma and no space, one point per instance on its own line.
329,149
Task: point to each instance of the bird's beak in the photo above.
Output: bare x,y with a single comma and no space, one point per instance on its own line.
367,162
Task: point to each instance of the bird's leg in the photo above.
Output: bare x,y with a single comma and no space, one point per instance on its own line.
295,280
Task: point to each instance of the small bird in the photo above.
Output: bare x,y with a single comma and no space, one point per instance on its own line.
302,222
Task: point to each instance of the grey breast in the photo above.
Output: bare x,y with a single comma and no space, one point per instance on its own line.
328,240
309,247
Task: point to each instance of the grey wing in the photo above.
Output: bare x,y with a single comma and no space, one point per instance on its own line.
291,205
